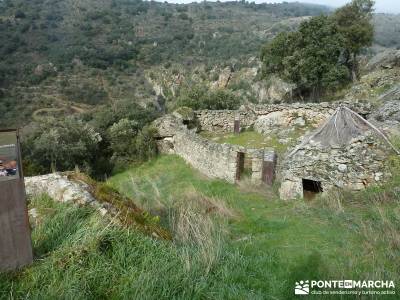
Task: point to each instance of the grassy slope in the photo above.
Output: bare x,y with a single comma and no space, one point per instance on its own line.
279,241
267,246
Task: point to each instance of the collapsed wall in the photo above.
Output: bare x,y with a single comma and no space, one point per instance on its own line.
265,116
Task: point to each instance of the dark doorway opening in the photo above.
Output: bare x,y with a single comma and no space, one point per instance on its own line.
244,165
240,165
311,188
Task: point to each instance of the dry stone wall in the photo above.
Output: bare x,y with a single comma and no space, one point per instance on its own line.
212,159
266,117
355,166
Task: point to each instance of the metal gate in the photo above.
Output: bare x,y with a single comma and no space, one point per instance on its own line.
15,235
269,166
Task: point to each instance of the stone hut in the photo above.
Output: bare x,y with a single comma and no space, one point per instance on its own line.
346,152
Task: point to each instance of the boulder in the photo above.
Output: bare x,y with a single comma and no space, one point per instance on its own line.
291,189
279,90
60,188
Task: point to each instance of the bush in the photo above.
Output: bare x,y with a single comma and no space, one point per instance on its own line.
129,144
61,145
200,98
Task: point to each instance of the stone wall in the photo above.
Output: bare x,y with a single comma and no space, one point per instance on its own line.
262,117
210,158
355,166
223,120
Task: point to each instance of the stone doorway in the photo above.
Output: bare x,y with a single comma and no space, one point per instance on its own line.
244,164
311,188
239,165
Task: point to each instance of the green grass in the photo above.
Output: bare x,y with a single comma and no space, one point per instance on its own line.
278,241
257,254
253,139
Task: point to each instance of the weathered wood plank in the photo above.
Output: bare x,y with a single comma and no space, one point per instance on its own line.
15,235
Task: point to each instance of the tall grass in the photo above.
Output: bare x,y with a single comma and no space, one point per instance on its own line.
228,242
80,255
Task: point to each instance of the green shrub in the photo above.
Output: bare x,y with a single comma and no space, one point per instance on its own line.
199,97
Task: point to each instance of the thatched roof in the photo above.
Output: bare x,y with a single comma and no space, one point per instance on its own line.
342,127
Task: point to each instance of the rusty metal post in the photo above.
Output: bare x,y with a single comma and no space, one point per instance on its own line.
236,125
269,167
15,235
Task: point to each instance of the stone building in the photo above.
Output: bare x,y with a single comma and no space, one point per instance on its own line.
346,152
223,161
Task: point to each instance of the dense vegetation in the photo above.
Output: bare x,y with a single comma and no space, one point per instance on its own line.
229,242
83,75
78,70
322,54
97,143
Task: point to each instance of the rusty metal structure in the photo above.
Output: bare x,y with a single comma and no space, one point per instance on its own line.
15,233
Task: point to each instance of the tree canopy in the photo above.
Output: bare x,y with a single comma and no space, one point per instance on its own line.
321,55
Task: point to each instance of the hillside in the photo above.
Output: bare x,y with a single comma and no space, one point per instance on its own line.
229,242
64,57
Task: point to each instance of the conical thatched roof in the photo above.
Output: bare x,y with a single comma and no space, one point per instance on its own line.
343,126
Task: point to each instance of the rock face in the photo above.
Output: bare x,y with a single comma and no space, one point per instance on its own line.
279,90
388,112
387,59
223,79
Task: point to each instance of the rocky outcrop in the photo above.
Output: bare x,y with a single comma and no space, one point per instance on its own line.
386,59
388,112
224,78
77,188
60,188
387,116
279,90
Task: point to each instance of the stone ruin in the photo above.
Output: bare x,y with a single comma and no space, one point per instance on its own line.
313,168
223,161
346,152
